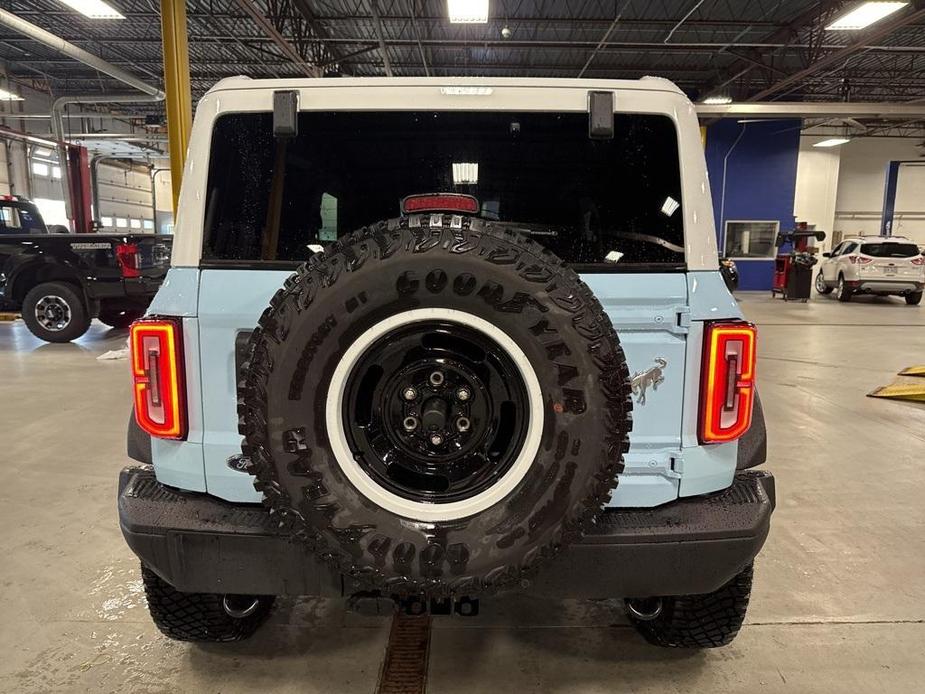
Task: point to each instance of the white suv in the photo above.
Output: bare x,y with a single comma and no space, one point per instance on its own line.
880,265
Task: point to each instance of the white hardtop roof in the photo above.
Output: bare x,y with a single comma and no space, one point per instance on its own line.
649,84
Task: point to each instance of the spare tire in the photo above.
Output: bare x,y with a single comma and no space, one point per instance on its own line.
435,405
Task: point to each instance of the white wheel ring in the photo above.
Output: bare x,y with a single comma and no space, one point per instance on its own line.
419,510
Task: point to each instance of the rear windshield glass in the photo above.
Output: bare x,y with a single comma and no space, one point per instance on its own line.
20,218
273,199
890,250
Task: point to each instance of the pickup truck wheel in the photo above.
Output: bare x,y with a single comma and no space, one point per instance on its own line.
913,299
695,621
55,312
202,616
435,406
119,319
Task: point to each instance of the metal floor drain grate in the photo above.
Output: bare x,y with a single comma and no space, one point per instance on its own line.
404,670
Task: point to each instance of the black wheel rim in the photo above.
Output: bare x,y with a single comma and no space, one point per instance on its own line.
435,411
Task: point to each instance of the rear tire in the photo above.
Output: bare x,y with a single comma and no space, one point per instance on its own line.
55,312
700,621
913,299
201,616
843,292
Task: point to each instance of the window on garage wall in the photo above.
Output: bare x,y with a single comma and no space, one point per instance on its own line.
750,239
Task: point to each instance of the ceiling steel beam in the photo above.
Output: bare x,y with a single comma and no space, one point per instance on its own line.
383,49
282,43
705,46
834,57
322,33
441,19
809,109
786,35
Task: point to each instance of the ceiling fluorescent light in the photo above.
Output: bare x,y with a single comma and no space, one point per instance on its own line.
717,100
94,9
832,142
9,96
465,173
468,11
864,15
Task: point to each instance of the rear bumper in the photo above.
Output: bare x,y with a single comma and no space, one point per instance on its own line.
202,544
886,286
143,287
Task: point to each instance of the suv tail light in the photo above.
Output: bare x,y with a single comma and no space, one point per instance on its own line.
859,260
127,257
157,374
918,261
727,391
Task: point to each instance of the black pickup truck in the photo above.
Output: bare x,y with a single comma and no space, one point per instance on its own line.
60,282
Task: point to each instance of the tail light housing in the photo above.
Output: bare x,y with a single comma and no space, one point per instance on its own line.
127,257
727,389
918,261
440,202
157,374
859,260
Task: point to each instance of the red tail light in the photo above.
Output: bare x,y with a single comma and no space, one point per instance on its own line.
440,202
157,372
727,391
858,260
918,261
127,257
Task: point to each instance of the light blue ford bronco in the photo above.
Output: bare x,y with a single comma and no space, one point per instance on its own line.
425,340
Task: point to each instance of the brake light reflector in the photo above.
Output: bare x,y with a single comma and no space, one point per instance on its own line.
157,374
727,391
127,257
440,202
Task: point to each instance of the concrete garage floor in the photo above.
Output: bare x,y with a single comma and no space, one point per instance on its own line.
839,602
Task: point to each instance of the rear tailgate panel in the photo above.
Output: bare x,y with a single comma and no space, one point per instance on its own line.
652,314
230,302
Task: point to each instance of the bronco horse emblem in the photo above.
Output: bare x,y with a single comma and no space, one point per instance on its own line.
650,377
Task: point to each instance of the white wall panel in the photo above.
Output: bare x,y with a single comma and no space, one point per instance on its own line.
862,176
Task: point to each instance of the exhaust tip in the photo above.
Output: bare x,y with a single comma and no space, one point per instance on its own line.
240,606
644,609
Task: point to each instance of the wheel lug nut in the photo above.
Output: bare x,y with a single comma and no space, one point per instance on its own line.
463,424
436,378
410,423
436,439
409,393
463,394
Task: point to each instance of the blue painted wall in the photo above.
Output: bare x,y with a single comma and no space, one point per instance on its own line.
760,181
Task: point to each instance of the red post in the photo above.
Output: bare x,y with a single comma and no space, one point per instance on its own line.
79,179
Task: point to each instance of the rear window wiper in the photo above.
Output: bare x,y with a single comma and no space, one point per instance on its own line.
649,238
